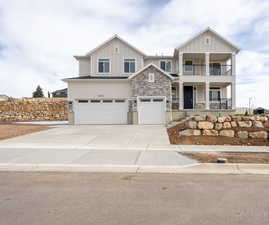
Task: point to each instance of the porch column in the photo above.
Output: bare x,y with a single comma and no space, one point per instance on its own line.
207,95
180,63
180,95
233,64
207,60
233,96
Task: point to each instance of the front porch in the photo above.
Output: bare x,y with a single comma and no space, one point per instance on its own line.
203,96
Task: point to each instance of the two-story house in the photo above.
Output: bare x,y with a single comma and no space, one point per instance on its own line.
119,84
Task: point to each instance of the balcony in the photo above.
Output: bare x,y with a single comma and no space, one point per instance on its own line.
215,69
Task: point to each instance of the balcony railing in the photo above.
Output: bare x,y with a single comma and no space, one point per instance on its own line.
222,103
214,70
220,70
194,70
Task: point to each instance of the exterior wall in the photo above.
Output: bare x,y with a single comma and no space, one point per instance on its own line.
98,89
198,44
161,87
116,58
84,66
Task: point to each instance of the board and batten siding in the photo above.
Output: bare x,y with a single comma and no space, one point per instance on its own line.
198,44
116,58
84,66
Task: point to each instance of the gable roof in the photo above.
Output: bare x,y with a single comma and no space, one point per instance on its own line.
112,38
208,29
146,67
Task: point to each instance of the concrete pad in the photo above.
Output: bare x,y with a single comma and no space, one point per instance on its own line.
92,136
163,158
222,148
104,157
50,156
254,168
9,155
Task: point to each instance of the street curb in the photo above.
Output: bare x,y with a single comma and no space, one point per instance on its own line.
199,168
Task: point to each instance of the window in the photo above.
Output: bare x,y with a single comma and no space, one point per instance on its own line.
120,101
188,65
174,93
95,101
157,100
83,101
214,94
108,101
215,69
208,40
166,65
151,77
129,65
103,65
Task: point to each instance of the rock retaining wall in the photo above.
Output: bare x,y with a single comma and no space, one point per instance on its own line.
228,126
33,109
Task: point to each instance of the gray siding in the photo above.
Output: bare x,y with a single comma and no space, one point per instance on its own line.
198,44
116,58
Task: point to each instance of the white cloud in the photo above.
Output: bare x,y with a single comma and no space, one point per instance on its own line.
40,37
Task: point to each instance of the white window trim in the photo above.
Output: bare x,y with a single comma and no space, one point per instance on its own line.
110,66
219,89
166,60
149,76
185,65
123,64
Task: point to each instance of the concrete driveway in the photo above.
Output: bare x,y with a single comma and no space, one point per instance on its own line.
127,137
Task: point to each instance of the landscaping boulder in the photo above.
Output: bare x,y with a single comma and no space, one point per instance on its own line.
258,134
266,124
218,126
221,119
226,133
228,119
233,124
227,125
257,124
210,133
199,118
212,118
191,124
190,132
205,125
244,123
236,118
242,134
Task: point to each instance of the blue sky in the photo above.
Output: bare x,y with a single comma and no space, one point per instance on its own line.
38,38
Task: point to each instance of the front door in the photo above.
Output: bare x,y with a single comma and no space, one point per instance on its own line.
188,97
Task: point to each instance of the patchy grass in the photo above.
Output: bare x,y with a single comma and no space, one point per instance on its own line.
14,130
260,158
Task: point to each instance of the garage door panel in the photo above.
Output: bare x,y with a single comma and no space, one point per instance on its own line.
151,112
101,112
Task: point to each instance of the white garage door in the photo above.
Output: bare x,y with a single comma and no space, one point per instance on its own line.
151,110
107,111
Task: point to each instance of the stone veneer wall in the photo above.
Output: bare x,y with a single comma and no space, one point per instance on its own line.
33,109
161,87
228,126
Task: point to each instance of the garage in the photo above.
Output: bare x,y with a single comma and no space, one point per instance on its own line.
101,111
151,110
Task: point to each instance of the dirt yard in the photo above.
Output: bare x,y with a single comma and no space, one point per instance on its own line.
262,158
176,139
14,130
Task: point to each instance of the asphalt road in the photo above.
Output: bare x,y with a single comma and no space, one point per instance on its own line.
126,199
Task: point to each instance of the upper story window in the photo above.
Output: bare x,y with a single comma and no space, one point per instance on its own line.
166,65
129,65
103,65
188,65
208,40
215,69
